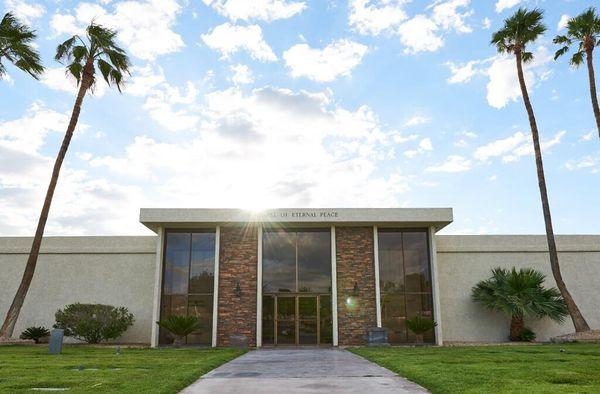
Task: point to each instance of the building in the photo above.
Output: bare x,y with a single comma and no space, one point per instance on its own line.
294,276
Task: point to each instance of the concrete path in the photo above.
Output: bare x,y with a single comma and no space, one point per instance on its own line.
292,371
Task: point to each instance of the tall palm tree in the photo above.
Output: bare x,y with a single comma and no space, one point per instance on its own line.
520,30
520,294
81,56
584,30
15,47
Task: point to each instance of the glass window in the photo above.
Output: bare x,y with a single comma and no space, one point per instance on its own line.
188,281
279,262
297,261
405,281
314,262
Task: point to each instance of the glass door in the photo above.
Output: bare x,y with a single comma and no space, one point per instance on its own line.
308,320
286,321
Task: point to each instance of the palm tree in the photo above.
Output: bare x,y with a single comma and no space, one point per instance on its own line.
520,294
15,46
521,29
584,30
81,57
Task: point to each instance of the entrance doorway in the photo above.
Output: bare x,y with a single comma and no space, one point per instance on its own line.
297,320
296,299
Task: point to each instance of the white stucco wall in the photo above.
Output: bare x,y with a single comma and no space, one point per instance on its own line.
465,260
120,271
117,271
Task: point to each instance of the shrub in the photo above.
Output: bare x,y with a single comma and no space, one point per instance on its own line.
526,335
93,323
420,325
35,333
179,326
520,294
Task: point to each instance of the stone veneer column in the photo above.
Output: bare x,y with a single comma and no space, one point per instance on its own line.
355,254
237,262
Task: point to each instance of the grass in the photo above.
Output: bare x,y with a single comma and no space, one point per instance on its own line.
140,370
498,369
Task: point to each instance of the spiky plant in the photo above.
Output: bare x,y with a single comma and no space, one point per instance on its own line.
16,48
420,325
519,31
82,56
583,31
180,327
520,294
35,333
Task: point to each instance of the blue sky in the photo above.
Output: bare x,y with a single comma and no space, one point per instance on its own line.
292,103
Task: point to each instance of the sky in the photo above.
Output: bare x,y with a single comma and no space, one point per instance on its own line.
300,103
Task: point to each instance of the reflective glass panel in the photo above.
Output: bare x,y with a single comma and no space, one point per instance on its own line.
314,262
202,265
177,263
279,262
405,282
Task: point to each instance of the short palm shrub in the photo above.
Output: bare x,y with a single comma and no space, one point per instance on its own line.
180,327
520,294
35,333
420,325
93,323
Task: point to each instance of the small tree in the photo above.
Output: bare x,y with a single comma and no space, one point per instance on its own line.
35,333
93,323
180,327
520,294
420,325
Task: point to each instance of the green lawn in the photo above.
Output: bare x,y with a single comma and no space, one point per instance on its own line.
133,371
504,369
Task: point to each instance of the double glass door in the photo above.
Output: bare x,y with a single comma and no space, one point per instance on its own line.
297,320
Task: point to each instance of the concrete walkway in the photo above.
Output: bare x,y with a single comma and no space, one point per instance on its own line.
311,370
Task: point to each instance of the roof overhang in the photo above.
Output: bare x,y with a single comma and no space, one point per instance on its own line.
153,218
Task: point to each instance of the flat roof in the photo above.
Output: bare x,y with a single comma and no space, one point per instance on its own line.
153,218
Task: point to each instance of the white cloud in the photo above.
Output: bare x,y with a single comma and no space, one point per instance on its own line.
502,5
26,12
170,106
241,74
229,39
447,16
503,84
80,203
265,10
420,34
416,120
589,162
512,148
486,23
453,163
588,136
562,23
426,144
324,65
373,17
306,149
145,27
58,79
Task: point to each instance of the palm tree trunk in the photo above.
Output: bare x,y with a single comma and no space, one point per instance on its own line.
578,319
592,78
15,308
517,324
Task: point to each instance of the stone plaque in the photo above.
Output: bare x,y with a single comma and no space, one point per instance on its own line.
56,340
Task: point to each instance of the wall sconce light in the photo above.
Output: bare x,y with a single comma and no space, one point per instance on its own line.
355,290
238,290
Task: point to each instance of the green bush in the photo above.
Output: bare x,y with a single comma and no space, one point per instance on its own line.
35,333
526,335
93,323
179,326
419,324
